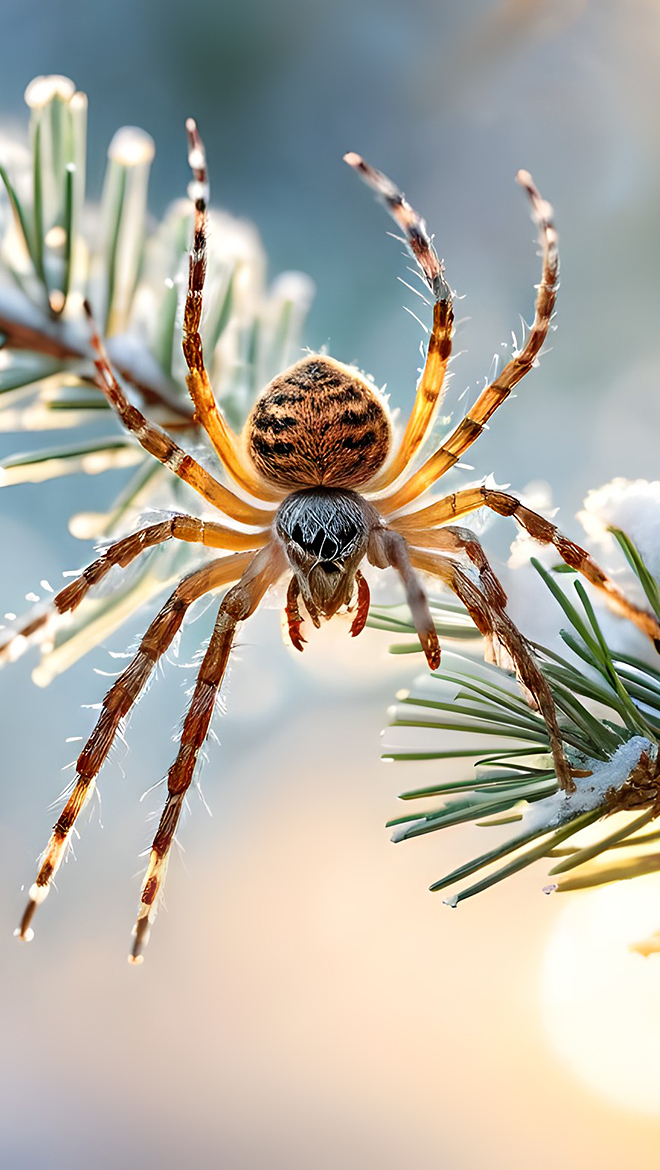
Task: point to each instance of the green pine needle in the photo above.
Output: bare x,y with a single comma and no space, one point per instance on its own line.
604,698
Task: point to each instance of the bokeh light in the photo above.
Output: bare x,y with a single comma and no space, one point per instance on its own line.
600,993
306,1003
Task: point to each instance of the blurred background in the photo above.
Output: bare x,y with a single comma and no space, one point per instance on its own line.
305,1002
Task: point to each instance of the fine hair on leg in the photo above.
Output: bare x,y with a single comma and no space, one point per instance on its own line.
495,625
237,605
120,554
418,527
429,389
472,425
159,444
207,412
388,548
119,700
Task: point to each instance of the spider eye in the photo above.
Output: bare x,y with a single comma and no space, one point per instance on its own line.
324,526
329,549
322,545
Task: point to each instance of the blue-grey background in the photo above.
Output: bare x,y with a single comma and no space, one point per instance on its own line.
305,1002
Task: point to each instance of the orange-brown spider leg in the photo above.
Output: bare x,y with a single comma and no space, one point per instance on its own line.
494,624
116,705
412,225
121,553
430,385
390,548
363,599
237,605
207,411
451,538
159,444
469,429
293,615
414,526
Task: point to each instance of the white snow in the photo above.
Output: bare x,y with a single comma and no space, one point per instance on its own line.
132,147
634,506
557,810
560,808
400,831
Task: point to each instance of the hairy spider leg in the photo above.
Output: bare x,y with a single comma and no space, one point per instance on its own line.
121,553
117,703
495,624
414,527
207,411
427,398
460,540
413,226
453,539
237,605
387,548
429,388
363,599
159,444
470,427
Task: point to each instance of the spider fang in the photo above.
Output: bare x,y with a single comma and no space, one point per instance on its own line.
360,619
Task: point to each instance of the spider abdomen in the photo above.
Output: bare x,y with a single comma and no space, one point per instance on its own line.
320,423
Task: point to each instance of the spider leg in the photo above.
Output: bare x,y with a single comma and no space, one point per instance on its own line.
493,623
429,388
121,553
159,444
387,548
236,606
470,427
412,225
415,524
363,599
460,540
293,615
116,705
207,411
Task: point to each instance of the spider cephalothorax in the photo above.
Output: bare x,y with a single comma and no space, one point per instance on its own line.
325,532
318,433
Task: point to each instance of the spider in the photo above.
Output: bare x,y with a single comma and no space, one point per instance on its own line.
321,489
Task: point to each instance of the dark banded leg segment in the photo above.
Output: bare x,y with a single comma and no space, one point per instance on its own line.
495,624
237,605
120,554
387,548
159,444
460,540
414,527
116,705
469,429
429,390
207,411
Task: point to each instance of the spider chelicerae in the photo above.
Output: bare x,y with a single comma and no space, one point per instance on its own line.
316,458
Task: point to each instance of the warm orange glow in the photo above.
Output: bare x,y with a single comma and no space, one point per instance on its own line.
600,998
